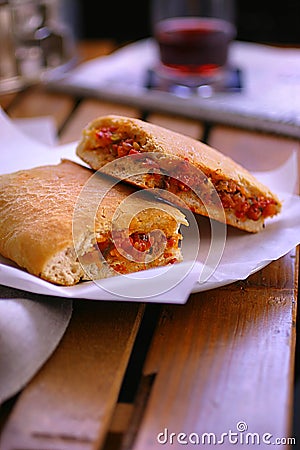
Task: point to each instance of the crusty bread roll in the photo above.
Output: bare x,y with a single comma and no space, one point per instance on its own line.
64,223
198,171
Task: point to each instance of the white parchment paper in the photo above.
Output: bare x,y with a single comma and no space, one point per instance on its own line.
241,254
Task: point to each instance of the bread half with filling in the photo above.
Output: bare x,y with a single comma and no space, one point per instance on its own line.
191,170
65,223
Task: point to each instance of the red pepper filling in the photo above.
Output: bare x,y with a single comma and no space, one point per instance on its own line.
142,242
230,195
118,146
252,208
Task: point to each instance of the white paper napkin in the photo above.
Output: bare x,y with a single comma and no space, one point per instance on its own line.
42,129
30,330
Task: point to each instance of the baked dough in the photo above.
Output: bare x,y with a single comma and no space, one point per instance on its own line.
54,220
245,202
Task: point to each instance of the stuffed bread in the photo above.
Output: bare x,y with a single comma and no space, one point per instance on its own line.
53,224
246,202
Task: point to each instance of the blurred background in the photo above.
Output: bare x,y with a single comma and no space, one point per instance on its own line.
256,21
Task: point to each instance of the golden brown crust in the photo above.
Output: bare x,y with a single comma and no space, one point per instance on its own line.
23,196
36,217
209,161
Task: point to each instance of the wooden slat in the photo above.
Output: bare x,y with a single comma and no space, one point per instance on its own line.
69,403
121,418
36,102
278,274
224,357
6,99
256,151
179,124
94,48
89,110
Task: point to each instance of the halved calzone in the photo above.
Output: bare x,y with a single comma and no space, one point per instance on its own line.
190,169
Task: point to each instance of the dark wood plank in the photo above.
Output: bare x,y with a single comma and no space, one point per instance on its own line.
256,151
89,49
7,99
280,274
179,124
35,102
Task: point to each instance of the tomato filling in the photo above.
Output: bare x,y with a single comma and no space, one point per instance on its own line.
116,144
252,208
140,241
243,207
229,192
139,245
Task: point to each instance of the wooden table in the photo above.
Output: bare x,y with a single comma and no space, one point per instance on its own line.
125,372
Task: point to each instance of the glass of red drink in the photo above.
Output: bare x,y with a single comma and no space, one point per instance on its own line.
193,38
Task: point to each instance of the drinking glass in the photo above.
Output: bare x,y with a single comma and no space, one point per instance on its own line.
193,38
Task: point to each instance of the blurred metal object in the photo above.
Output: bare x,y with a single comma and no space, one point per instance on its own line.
9,77
37,44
